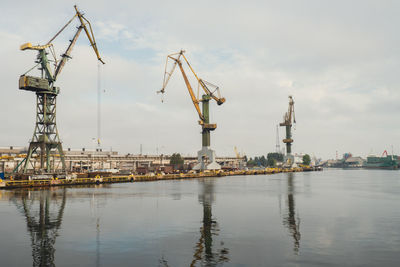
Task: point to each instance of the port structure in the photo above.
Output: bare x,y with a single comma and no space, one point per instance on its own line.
46,142
287,123
206,156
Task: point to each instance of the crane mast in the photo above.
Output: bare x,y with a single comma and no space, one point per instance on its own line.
287,123
206,156
46,141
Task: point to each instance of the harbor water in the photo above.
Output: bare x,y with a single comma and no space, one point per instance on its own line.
329,218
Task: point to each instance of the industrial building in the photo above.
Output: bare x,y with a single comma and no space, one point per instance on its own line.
86,160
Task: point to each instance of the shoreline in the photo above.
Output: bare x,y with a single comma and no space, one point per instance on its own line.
12,184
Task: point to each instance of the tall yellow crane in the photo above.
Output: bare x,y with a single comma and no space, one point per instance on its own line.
287,122
45,137
210,92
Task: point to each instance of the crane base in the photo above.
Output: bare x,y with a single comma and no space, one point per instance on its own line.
288,161
206,159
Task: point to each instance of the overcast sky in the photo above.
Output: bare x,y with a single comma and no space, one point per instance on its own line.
339,60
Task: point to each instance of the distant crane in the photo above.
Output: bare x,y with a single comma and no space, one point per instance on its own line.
237,153
45,137
241,158
206,156
287,122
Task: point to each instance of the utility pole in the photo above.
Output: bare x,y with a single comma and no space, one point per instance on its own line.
98,103
278,144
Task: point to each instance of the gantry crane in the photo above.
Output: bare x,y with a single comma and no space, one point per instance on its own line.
45,137
206,156
287,122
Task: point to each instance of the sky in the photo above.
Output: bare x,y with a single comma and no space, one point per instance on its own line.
339,60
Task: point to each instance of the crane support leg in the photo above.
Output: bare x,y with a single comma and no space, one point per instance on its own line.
206,156
288,137
206,114
289,157
45,137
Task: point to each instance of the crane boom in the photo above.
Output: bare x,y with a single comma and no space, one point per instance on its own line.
287,118
167,75
219,100
67,53
90,35
192,96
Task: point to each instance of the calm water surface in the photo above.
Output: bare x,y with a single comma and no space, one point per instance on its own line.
329,218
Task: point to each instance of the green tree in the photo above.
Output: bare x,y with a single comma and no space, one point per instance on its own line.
251,162
176,159
263,161
306,159
257,161
271,162
278,157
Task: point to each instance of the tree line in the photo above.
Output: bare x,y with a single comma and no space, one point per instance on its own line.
272,159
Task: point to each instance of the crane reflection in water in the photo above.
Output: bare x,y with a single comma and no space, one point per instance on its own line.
290,220
43,211
203,250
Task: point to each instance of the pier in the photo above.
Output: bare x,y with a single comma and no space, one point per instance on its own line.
10,183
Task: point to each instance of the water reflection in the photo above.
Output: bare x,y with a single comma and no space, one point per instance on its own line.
290,220
205,251
43,211
98,202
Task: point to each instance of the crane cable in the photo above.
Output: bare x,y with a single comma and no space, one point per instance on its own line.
98,103
65,26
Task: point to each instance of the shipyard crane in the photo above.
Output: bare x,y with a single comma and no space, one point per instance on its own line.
45,137
241,158
206,156
287,122
236,152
